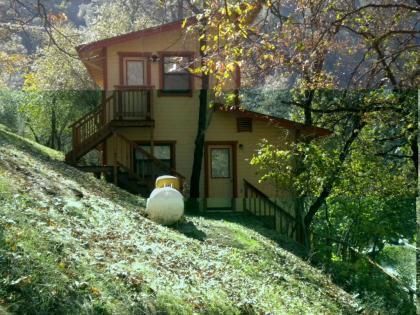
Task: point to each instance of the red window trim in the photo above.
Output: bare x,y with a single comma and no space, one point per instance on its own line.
123,55
163,54
234,145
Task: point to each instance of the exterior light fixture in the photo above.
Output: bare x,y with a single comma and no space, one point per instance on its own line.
154,58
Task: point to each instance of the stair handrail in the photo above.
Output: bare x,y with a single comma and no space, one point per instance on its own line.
268,200
93,111
156,161
283,221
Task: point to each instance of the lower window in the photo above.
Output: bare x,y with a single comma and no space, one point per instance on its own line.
145,167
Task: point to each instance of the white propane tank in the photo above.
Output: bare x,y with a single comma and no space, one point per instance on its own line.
165,205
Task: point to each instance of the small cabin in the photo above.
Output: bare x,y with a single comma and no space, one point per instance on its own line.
146,124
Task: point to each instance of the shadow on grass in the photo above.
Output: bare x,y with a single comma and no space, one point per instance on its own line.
189,229
251,222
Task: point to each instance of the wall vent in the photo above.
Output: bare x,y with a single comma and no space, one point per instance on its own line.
244,124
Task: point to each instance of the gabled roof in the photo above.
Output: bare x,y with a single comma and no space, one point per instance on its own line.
134,35
153,30
93,55
277,121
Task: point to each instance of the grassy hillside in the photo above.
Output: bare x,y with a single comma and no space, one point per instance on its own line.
72,244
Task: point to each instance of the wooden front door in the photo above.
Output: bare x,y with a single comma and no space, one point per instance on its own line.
220,176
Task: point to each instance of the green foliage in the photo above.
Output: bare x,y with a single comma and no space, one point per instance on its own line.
48,114
277,164
274,164
379,294
400,259
9,109
57,90
371,202
108,19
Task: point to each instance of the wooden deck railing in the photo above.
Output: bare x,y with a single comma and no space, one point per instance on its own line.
133,103
127,104
260,205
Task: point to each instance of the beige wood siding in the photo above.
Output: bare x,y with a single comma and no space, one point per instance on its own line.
176,117
177,121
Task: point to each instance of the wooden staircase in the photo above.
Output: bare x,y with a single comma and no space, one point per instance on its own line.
271,214
90,130
123,108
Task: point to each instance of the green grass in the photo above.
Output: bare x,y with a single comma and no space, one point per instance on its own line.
72,244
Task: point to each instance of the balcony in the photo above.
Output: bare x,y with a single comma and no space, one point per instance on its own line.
125,107
130,103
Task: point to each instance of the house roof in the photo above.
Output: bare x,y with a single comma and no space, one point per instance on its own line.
277,121
94,54
153,30
134,35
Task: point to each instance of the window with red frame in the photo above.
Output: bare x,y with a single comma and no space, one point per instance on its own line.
176,77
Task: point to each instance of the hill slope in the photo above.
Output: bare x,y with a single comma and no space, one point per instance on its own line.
72,244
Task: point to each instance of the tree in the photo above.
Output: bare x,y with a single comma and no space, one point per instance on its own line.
324,45
109,18
205,70
58,90
202,122
350,68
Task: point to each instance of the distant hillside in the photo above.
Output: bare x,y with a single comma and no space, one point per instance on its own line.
72,244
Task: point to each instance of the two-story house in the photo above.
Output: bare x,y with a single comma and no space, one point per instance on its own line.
147,123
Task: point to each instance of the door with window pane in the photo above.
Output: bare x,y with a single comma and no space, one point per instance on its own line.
220,177
134,100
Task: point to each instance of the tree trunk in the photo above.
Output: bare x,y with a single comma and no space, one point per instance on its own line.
53,124
328,240
328,186
200,136
302,232
199,145
37,139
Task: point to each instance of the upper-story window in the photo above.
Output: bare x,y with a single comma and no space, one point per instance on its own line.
134,69
134,72
176,78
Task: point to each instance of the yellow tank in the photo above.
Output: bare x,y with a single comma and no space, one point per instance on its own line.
167,181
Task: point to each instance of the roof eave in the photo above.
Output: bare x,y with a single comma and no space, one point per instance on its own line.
281,122
135,35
